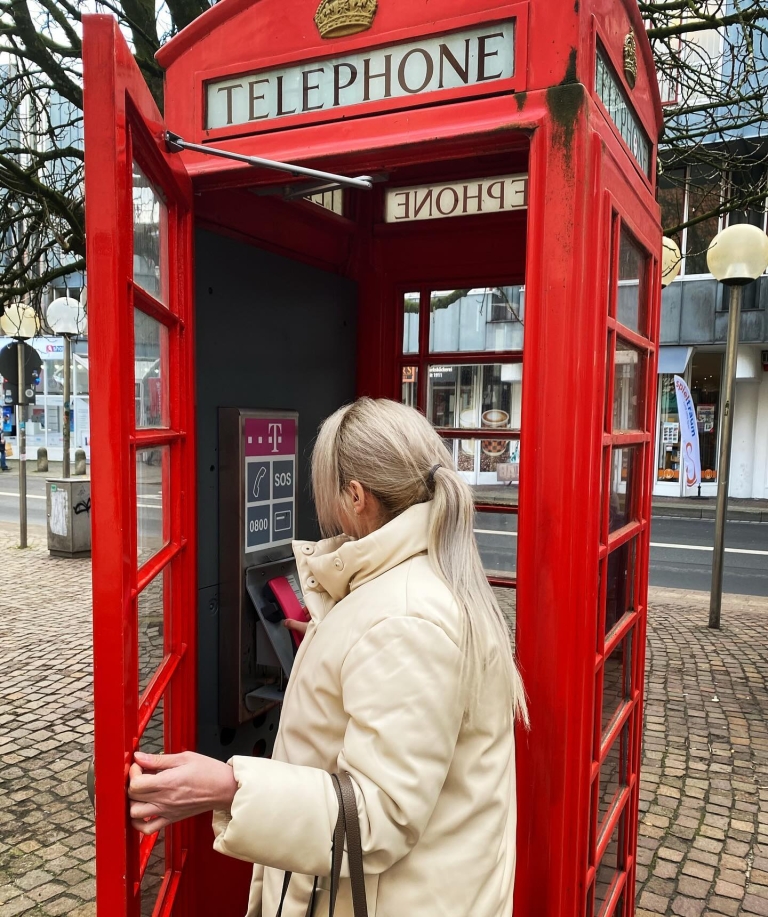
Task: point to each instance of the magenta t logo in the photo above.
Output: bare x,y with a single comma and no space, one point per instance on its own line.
275,435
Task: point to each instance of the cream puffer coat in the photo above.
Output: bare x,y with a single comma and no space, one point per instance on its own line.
375,691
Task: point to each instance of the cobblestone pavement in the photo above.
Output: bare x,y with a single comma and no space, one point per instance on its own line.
704,828
703,846
46,820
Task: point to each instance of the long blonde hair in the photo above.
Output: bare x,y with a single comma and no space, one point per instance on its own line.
391,449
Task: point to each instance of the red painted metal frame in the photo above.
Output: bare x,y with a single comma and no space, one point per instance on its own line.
574,156
123,124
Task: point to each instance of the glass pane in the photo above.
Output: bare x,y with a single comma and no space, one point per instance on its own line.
627,390
487,319
410,384
620,583
496,535
617,680
153,876
614,775
624,478
150,237
152,741
631,301
668,463
611,862
151,604
152,531
706,370
704,196
491,466
411,323
476,397
150,370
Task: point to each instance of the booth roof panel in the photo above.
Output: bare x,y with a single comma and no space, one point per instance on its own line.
554,44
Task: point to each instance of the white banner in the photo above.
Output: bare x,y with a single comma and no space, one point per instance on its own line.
689,434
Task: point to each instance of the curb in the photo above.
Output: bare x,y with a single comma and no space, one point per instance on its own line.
708,512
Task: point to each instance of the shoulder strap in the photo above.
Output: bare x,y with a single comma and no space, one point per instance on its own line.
354,844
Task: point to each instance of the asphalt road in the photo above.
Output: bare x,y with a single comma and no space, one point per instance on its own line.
681,549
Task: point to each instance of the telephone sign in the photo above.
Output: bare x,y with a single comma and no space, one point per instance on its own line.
270,482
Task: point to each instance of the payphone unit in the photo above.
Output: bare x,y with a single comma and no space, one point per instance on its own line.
259,585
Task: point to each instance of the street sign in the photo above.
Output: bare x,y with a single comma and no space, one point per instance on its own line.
9,363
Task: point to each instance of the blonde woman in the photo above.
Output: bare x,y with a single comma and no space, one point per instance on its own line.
405,680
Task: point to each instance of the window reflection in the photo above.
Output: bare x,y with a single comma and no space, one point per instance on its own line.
411,307
627,390
624,476
150,236
617,681
487,319
620,583
410,386
150,370
631,300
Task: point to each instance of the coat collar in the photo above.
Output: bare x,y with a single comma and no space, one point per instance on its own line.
333,568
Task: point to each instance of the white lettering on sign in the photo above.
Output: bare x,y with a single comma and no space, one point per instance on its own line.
456,199
468,58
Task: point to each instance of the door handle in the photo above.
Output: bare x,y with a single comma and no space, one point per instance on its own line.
90,782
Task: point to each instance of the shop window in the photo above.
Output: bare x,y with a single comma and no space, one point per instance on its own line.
706,370
668,462
488,319
704,197
474,397
631,306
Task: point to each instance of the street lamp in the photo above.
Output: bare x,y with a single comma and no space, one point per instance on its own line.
66,317
20,322
670,261
736,256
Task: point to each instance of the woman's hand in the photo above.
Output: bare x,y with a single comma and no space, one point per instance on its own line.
299,626
167,788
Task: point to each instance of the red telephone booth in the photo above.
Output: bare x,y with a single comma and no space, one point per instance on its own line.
487,207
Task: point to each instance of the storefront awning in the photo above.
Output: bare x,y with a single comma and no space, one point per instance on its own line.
674,359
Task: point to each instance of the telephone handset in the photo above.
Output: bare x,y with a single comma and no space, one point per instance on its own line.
286,599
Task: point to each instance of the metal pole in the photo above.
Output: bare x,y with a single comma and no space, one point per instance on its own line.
21,420
67,408
724,467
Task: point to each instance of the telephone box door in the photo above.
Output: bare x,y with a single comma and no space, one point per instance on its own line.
139,232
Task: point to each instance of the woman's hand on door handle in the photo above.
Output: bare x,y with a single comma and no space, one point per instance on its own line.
168,788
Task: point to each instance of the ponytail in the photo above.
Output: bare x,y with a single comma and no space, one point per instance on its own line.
395,453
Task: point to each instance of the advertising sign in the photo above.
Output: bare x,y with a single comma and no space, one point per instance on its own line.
689,434
471,57
270,482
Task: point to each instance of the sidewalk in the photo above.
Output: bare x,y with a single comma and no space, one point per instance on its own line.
703,845
739,510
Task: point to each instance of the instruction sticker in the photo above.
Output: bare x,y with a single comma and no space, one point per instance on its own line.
270,482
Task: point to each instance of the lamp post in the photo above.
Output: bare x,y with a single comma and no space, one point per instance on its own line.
736,256
20,322
66,317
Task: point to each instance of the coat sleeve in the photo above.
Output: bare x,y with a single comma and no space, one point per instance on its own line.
400,688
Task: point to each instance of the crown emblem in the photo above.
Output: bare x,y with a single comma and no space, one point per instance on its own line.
630,59
336,18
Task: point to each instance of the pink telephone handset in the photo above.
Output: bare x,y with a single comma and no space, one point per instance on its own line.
289,604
